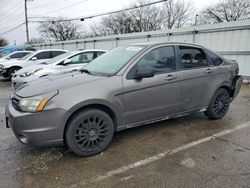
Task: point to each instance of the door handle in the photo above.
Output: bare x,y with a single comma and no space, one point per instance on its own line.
170,77
209,71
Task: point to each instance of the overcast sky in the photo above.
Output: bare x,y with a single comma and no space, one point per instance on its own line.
12,13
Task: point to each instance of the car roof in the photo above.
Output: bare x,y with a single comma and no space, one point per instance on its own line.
149,44
91,50
45,50
22,51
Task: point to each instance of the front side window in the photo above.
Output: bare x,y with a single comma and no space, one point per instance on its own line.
215,59
160,60
56,53
43,55
18,55
192,57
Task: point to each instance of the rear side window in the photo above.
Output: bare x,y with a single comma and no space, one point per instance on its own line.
192,57
43,55
215,59
160,60
18,55
85,57
56,53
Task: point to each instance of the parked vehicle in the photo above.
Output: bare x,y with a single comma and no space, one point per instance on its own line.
126,87
9,49
58,65
9,67
15,55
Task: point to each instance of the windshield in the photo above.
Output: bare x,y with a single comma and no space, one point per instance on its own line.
58,58
111,62
27,56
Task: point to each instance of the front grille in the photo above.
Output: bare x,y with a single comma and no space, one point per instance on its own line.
15,102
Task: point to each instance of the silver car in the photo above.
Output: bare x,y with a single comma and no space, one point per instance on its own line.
7,68
15,55
58,65
125,87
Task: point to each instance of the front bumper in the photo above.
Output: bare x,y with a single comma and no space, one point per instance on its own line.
39,129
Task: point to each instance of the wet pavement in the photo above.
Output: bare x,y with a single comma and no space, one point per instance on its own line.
191,151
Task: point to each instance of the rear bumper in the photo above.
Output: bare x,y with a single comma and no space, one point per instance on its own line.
39,129
237,82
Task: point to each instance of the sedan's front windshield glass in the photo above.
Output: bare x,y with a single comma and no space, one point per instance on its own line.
26,57
58,58
111,62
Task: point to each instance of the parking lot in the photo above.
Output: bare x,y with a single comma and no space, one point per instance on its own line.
190,151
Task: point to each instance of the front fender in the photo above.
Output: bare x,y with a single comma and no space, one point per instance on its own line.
95,102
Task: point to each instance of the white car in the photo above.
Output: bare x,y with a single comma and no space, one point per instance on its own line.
15,55
63,63
7,68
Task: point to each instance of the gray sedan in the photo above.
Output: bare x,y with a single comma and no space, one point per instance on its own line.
126,87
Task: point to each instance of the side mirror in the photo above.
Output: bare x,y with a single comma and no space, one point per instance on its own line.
66,61
144,74
33,58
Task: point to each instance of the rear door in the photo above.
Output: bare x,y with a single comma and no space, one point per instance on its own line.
197,77
155,97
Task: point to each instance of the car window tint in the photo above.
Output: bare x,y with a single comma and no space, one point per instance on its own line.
82,58
216,60
18,55
192,57
43,55
56,53
160,60
99,53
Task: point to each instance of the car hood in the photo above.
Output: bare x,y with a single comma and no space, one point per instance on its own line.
30,68
52,83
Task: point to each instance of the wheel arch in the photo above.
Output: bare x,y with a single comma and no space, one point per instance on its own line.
101,106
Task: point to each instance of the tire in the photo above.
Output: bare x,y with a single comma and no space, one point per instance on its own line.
12,71
89,132
219,104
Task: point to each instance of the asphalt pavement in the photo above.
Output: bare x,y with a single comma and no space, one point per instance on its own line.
191,151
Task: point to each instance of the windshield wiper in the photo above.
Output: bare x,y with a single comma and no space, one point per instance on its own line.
85,71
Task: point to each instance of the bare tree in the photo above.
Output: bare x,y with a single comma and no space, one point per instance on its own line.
3,42
146,18
226,11
177,13
60,30
141,19
36,40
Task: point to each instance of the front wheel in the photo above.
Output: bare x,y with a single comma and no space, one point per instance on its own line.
219,104
89,132
11,71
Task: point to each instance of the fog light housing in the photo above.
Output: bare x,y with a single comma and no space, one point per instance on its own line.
23,139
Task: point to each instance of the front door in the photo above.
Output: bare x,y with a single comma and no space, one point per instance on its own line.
154,97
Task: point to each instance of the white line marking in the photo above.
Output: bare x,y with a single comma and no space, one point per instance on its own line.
168,152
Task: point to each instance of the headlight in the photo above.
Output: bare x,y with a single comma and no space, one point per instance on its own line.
36,103
29,73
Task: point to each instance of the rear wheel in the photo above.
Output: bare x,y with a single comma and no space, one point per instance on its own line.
89,132
11,71
219,104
